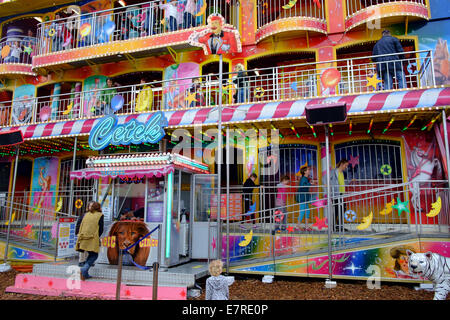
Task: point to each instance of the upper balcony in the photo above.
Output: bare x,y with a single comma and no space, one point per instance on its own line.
380,13
16,55
350,76
125,32
294,16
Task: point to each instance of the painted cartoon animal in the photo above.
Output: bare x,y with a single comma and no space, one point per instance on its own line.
128,233
441,61
422,170
433,267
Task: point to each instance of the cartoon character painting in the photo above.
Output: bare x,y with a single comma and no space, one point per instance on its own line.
218,38
422,164
441,61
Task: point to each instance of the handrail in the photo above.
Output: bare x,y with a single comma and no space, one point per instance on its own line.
356,6
273,10
273,83
123,23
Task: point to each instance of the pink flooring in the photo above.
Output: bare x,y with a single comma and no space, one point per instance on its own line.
48,286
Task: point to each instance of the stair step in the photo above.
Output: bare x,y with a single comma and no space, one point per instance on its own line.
92,288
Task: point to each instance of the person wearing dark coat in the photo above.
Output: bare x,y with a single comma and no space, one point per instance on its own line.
247,191
388,63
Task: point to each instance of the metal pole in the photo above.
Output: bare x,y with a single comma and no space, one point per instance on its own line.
11,204
219,159
228,199
119,274
330,220
447,152
155,270
75,142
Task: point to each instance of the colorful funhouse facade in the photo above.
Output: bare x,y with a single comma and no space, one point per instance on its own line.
123,102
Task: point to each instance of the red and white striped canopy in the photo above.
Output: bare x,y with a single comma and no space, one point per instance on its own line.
381,101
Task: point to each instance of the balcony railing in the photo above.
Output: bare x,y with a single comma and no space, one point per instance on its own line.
357,204
355,6
130,22
17,49
337,77
272,10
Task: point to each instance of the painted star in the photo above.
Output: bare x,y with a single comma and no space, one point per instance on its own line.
320,223
401,206
294,86
190,98
28,50
352,268
28,228
373,81
213,244
353,160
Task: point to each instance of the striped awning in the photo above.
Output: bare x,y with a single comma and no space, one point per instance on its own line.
122,172
381,101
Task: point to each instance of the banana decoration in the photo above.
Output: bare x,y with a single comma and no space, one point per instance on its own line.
12,218
203,9
388,208
59,205
290,4
367,221
247,239
69,108
436,208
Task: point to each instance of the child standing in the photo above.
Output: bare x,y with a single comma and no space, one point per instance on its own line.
304,195
281,200
170,14
217,285
189,14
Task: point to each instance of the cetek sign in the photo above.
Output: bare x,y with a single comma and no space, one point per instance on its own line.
107,131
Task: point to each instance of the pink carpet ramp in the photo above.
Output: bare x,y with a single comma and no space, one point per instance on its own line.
50,286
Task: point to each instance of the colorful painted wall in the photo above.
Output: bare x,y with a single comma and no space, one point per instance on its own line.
385,262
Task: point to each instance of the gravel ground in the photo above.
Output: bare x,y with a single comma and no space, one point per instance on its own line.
282,288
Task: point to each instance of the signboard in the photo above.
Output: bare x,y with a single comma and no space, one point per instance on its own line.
66,237
107,131
235,205
217,38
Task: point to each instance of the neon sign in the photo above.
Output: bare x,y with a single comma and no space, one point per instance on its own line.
107,131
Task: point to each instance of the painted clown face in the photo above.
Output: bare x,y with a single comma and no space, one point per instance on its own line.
215,26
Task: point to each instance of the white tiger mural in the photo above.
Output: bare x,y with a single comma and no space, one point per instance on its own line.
434,267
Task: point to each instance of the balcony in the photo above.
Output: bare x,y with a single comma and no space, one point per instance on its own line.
298,17
380,13
16,55
292,82
128,32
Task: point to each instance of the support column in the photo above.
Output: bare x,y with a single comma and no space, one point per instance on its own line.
11,202
74,157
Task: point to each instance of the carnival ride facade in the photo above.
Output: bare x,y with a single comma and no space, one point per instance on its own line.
131,61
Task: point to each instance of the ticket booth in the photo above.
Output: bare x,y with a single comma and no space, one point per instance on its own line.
138,194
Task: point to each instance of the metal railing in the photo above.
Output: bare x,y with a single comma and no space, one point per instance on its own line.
272,10
17,49
337,77
355,6
34,227
304,225
129,22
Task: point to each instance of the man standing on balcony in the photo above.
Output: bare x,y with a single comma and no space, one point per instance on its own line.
105,98
389,64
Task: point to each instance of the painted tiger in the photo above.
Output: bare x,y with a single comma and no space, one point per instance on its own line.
434,267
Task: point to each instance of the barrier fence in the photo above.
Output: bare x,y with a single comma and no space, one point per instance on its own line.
337,77
129,22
